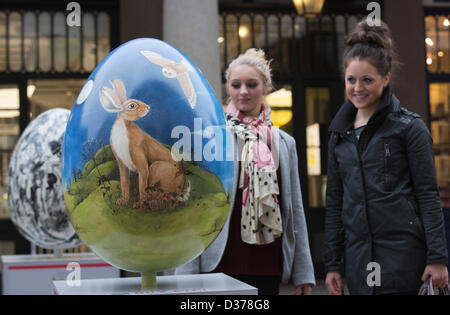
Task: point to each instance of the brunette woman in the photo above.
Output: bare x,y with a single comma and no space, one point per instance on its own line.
384,223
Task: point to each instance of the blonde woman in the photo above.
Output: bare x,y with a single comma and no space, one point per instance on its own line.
265,240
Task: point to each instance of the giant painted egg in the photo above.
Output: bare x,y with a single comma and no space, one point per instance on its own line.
35,191
147,170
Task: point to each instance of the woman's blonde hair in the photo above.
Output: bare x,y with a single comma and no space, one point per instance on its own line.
256,58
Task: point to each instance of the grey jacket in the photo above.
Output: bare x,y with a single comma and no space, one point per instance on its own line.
297,262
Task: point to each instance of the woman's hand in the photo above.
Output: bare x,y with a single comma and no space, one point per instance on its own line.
303,289
438,272
334,283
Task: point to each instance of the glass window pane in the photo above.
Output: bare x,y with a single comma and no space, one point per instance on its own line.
280,102
259,31
351,23
59,41
327,24
52,93
300,36
74,48
273,51
313,25
327,47
430,41
317,121
300,27
9,134
30,42
44,42
15,46
232,38
103,36
245,34
2,41
340,37
286,38
443,52
221,42
440,130
88,42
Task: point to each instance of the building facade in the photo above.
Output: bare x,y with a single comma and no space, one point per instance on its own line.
44,63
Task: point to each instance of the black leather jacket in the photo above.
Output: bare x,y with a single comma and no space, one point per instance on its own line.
383,201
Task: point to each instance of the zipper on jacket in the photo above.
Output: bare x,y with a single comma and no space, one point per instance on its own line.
413,207
368,236
387,157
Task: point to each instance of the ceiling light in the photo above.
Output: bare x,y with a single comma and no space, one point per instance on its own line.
308,8
243,31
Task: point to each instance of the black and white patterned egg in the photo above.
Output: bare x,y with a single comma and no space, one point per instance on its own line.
35,191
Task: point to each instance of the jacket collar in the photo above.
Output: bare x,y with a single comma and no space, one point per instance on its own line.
344,118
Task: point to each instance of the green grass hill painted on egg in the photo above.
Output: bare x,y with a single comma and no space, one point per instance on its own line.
143,240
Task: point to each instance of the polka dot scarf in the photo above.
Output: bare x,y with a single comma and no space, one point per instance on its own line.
261,217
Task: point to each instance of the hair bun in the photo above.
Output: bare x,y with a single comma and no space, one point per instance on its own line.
256,53
363,33
371,43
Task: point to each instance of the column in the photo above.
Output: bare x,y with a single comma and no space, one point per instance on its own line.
140,19
406,20
192,26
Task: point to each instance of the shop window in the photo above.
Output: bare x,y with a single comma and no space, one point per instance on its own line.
9,134
59,39
14,26
260,31
280,102
437,43
440,130
295,44
245,32
273,37
317,121
44,95
42,42
231,35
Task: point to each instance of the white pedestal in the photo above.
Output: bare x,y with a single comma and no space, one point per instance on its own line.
204,284
33,274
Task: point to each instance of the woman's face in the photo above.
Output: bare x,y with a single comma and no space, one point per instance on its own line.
363,84
246,89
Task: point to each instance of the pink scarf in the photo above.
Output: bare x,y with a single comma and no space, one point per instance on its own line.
261,217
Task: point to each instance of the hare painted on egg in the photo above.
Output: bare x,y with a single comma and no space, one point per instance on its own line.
133,148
